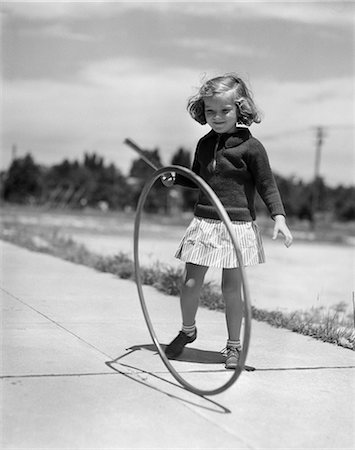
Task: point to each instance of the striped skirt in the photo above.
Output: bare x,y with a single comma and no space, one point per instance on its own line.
207,242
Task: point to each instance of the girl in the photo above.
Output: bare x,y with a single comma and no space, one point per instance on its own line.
235,165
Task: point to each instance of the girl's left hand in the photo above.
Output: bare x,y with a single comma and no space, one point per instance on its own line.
281,227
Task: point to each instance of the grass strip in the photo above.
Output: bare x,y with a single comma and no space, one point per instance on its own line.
332,325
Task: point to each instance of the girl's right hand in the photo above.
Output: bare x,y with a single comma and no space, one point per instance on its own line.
280,226
168,179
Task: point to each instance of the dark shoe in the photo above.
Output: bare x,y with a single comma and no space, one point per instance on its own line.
176,346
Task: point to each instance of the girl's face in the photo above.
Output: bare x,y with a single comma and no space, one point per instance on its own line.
221,112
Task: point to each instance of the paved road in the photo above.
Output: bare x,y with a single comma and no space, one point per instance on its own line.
69,382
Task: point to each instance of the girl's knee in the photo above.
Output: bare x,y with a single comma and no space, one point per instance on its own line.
194,275
190,283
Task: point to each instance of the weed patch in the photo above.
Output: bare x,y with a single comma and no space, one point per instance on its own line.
330,325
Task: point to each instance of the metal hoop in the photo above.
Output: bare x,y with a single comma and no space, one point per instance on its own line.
247,304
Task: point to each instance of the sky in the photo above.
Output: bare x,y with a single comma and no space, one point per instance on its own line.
83,76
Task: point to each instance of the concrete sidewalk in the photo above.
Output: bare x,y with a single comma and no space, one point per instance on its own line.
79,371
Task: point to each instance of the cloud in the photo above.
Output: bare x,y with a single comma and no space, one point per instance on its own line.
294,111
206,46
109,102
333,13
119,97
180,35
79,10
48,10
321,102
60,30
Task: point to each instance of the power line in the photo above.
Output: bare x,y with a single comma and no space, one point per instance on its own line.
309,129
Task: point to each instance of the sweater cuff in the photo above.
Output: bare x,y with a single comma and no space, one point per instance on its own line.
181,180
276,210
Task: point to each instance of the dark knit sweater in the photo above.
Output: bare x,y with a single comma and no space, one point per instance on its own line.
235,166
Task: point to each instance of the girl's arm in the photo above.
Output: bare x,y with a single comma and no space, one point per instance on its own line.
259,165
181,180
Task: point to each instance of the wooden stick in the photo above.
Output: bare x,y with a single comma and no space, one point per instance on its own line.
141,153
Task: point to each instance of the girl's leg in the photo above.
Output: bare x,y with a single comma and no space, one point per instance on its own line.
232,294
190,292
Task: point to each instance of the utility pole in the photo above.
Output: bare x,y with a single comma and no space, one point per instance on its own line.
13,152
315,186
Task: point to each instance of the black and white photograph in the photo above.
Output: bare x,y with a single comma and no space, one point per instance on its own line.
177,194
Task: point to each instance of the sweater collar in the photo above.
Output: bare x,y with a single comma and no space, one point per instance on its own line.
233,139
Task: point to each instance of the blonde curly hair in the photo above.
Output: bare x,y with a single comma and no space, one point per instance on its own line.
246,108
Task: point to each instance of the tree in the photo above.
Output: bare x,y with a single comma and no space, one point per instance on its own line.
69,182
23,182
140,171
112,188
93,162
344,203
182,157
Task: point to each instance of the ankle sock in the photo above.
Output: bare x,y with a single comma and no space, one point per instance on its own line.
189,330
234,344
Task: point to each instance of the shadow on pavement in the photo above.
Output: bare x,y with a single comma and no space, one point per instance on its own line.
141,376
192,355
275,369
